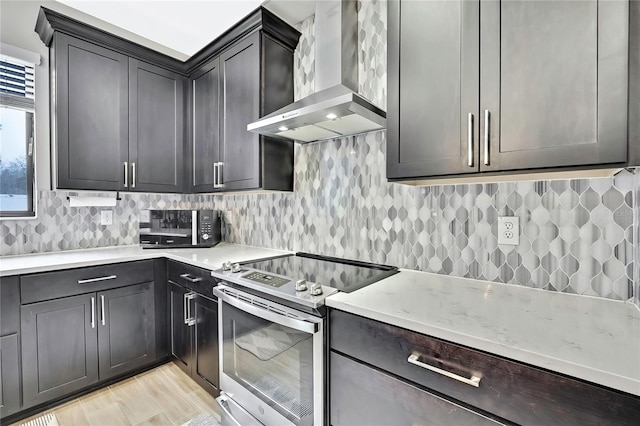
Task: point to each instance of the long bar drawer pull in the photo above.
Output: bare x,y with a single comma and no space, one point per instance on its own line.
473,381
95,280
191,278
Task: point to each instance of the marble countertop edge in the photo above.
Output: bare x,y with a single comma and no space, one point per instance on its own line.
612,380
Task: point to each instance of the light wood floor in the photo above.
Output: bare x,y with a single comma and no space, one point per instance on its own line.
162,396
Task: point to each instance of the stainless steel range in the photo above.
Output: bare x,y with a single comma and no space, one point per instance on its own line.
273,335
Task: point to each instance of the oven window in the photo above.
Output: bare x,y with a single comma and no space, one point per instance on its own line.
273,362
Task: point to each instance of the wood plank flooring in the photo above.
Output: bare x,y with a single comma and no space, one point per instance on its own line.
162,396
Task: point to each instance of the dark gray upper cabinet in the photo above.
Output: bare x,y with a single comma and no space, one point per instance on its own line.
516,85
240,106
126,331
205,87
115,130
248,80
124,119
156,131
90,115
554,83
433,104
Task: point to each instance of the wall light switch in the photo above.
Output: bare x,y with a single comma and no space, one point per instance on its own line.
106,217
229,217
509,230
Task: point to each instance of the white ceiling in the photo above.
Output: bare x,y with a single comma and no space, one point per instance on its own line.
185,27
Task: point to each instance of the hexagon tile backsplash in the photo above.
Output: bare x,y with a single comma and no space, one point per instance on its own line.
576,235
60,227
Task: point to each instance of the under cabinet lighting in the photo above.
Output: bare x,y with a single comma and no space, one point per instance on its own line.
283,128
332,116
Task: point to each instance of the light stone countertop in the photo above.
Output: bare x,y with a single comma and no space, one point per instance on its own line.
208,258
594,339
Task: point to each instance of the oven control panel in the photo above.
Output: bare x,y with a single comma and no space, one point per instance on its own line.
270,280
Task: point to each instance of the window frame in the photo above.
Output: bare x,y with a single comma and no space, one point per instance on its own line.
28,106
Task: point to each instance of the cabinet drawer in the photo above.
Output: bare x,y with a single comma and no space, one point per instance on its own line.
364,396
192,277
508,389
52,285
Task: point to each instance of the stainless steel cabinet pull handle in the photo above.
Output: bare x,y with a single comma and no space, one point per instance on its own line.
473,381
215,175
487,141
102,309
93,312
470,141
188,277
190,320
220,175
93,280
169,241
133,175
185,301
126,174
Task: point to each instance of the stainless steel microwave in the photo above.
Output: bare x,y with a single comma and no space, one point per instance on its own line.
179,228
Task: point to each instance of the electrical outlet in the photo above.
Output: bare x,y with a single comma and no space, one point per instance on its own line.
106,217
509,230
229,217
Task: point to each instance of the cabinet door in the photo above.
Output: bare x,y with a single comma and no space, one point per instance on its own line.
156,108
90,121
9,375
206,355
433,88
126,329
59,347
554,83
180,332
206,126
240,68
361,395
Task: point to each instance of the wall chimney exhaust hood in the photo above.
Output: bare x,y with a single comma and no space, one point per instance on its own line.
336,109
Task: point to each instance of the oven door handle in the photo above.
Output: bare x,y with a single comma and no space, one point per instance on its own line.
308,326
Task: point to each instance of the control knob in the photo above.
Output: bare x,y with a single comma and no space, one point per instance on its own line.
316,289
226,266
205,237
301,285
235,267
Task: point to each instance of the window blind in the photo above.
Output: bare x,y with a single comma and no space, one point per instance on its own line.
16,79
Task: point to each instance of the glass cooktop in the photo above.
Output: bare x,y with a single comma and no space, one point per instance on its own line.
342,274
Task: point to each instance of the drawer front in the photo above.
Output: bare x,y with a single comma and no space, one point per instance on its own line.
364,396
508,389
53,285
194,278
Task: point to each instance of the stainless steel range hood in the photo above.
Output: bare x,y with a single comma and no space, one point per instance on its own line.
336,109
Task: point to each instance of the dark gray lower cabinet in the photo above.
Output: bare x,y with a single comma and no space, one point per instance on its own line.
180,333
59,347
194,336
206,353
499,387
126,332
83,326
363,396
9,375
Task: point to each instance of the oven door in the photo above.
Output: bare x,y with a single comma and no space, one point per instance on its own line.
272,359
